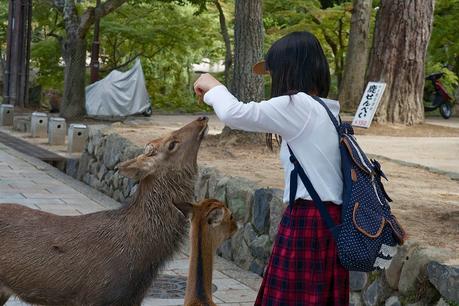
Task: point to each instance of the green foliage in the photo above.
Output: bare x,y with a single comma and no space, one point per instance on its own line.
443,46
330,25
3,24
330,3
449,80
169,39
452,303
443,51
46,56
171,35
407,299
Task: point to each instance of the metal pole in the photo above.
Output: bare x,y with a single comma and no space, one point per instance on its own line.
14,29
23,35
28,37
95,46
15,67
18,52
9,39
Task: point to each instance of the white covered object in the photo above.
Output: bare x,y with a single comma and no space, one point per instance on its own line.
206,66
118,94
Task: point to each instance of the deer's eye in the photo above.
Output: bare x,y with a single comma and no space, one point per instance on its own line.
172,145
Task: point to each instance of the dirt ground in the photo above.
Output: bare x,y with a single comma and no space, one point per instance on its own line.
427,204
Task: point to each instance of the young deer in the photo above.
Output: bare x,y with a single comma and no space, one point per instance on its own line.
211,224
107,257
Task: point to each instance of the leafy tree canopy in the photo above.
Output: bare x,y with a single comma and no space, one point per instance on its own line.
331,26
169,39
443,52
171,35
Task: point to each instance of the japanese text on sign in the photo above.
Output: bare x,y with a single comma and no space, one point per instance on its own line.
368,104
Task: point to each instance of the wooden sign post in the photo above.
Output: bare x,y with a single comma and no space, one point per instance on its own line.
368,104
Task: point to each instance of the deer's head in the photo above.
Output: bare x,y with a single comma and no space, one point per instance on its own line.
213,216
178,150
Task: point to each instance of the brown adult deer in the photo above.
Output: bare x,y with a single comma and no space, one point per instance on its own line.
108,257
211,224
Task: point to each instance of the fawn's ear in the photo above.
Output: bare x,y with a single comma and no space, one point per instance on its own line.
185,208
215,216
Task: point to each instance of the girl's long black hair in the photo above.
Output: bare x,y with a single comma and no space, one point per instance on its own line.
297,63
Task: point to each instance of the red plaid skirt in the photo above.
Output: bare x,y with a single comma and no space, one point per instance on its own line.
304,268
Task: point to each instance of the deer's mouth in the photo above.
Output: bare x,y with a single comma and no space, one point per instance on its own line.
203,132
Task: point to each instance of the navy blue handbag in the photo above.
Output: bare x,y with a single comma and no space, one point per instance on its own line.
368,233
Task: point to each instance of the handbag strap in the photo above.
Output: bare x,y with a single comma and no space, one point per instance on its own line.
299,171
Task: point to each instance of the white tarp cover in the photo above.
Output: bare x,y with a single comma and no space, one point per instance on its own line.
118,94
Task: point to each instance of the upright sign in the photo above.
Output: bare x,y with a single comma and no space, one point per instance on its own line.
368,104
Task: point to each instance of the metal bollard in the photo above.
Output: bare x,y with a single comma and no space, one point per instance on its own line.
22,124
57,131
77,137
39,125
6,114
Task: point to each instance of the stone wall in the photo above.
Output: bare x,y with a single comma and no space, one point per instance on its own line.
97,164
414,278
257,210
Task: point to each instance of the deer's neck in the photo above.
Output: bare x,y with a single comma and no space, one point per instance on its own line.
153,210
163,189
199,285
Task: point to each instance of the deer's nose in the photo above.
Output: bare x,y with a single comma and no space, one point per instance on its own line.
203,118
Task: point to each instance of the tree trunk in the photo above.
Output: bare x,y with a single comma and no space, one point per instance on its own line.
248,50
95,50
402,33
336,46
73,100
74,51
226,39
353,82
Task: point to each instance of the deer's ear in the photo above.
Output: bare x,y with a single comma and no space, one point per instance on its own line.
151,149
130,168
215,216
185,208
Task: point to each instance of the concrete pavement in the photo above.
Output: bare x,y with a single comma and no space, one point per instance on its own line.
438,154
452,122
35,184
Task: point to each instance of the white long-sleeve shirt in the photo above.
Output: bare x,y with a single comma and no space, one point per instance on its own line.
303,123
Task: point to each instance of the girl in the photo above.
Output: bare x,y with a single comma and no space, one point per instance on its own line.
303,268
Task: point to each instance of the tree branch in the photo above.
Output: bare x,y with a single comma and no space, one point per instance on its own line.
88,17
58,4
70,17
123,64
226,39
86,21
59,38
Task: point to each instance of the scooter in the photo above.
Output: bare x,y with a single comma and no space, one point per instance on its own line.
440,97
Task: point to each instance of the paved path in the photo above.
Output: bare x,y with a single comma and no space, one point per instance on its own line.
435,153
452,122
30,182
